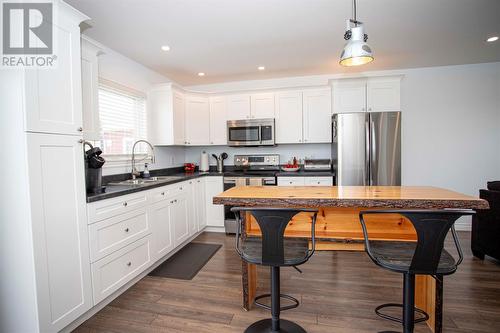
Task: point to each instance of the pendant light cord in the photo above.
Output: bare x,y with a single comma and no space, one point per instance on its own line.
354,12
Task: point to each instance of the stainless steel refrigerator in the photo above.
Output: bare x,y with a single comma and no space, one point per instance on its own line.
366,148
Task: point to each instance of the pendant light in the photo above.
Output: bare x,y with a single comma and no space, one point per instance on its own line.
356,51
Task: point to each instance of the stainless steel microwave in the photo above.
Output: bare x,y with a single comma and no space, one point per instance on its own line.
251,132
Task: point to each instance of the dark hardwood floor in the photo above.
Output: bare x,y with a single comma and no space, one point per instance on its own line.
338,292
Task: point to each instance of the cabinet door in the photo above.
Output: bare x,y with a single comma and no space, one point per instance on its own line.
218,118
54,95
192,204
383,94
59,225
262,105
90,91
291,181
349,96
197,120
289,122
160,217
317,115
201,217
214,213
180,218
318,181
179,106
238,107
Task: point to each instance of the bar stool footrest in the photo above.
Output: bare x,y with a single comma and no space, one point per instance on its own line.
267,307
424,315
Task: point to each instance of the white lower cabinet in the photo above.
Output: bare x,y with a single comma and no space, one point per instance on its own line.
112,234
160,216
214,213
318,181
291,181
115,270
180,220
199,203
305,181
131,232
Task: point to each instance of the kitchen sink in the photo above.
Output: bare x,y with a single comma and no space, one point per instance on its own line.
145,181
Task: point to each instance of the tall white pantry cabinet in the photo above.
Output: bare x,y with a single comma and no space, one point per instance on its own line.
45,282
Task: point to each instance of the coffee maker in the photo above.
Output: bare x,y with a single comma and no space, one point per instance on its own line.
93,169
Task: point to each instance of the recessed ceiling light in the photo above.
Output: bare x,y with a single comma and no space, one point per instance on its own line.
201,74
492,39
261,68
165,48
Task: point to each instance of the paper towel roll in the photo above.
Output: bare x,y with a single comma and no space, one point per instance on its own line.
204,166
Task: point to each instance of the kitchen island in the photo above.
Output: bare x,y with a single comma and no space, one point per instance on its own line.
338,225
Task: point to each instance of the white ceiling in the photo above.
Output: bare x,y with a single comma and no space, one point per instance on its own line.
228,39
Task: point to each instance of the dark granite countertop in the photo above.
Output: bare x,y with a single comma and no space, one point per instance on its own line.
113,191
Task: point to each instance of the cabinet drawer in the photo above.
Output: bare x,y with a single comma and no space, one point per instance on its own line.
168,191
319,181
113,271
104,209
114,233
290,181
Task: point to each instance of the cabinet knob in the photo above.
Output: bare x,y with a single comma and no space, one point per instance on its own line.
363,109
171,201
162,193
80,129
127,230
369,109
180,188
80,141
125,204
129,264
211,143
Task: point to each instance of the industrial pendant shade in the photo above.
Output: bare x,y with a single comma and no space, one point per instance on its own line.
356,51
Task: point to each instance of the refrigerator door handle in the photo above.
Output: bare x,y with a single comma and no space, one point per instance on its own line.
374,160
367,153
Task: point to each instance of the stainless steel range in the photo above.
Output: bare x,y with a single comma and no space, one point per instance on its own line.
249,170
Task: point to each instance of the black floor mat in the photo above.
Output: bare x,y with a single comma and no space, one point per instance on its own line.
186,263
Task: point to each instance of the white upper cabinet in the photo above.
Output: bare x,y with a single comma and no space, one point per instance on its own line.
349,96
262,105
166,112
377,94
54,95
289,117
90,90
179,109
317,115
218,118
238,107
197,120
383,94
59,226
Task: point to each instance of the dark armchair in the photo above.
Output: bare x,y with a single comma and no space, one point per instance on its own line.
486,224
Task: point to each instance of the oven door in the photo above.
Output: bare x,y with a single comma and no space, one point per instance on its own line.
243,135
229,182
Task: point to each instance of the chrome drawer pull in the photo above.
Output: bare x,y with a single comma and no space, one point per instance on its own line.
129,264
127,230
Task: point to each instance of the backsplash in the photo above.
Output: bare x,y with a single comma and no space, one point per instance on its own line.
286,152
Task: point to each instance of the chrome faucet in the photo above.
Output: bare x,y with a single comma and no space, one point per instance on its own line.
134,172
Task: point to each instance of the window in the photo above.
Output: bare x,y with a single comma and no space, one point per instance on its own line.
122,114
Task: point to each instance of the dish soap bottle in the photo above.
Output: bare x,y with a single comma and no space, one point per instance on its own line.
146,174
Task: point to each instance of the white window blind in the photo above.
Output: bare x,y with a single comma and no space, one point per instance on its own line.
122,114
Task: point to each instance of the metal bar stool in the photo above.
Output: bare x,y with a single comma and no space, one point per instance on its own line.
274,250
427,256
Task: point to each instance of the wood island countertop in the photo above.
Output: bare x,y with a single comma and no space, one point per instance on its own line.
402,197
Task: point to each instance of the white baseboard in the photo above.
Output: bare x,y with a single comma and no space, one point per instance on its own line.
215,229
